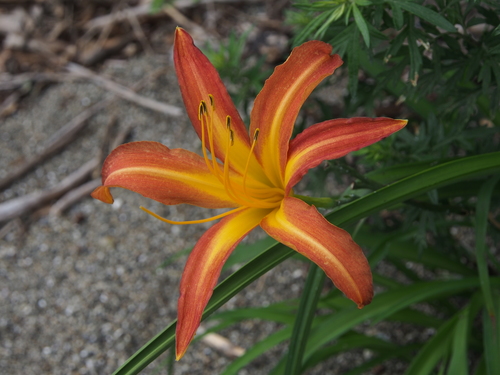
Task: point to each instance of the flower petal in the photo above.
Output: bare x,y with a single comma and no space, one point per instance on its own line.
198,79
304,229
333,139
167,176
277,105
203,269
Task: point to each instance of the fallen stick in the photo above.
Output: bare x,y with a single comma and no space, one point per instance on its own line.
12,82
145,10
66,134
19,206
223,345
59,140
74,196
124,92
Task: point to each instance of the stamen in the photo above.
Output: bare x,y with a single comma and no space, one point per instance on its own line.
202,110
211,136
192,221
203,141
212,101
255,136
237,190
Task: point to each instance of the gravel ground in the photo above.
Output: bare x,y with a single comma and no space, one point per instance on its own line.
81,292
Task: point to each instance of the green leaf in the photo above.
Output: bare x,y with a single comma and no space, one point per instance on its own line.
416,184
305,315
434,350
361,23
482,210
352,340
353,52
383,306
415,56
426,14
257,350
458,363
283,312
244,252
397,15
402,190
491,338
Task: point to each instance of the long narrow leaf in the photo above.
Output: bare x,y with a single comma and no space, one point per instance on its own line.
383,306
427,14
305,315
361,23
385,197
435,349
257,350
491,338
483,207
458,362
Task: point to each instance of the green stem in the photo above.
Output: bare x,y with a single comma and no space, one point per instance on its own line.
317,202
483,206
305,315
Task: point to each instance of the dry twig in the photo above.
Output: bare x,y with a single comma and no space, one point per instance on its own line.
124,92
19,206
67,133
73,196
58,140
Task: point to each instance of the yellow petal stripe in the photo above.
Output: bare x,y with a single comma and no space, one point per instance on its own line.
277,105
304,229
333,139
203,269
167,176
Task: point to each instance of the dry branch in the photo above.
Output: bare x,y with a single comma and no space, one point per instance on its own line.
11,82
74,196
67,133
19,206
58,140
124,92
145,10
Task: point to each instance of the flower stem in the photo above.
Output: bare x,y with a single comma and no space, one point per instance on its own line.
303,322
317,202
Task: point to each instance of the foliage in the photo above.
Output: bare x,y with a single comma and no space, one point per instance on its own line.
437,184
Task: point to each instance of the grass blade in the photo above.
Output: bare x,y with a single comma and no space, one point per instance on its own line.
482,209
305,315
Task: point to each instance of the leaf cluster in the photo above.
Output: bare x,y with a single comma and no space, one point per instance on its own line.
448,48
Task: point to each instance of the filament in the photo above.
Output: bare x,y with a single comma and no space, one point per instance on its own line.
192,221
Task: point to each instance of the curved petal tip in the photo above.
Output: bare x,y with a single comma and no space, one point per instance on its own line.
103,194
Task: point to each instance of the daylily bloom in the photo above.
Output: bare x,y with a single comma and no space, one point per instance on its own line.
252,172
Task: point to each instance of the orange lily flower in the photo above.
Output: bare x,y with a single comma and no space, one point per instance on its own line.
251,172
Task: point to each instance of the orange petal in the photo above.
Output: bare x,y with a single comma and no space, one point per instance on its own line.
277,105
165,175
333,139
304,229
203,269
198,79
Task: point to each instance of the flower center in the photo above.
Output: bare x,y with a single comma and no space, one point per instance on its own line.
238,188
245,190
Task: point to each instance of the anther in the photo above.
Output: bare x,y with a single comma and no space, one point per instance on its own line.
256,134
231,136
202,110
212,101
228,122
